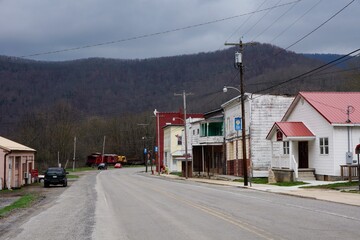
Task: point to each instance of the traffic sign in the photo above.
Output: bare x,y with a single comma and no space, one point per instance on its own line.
238,125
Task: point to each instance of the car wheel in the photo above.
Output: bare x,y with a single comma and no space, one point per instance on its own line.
65,184
46,185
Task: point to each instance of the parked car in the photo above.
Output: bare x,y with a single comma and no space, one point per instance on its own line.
41,178
117,165
102,166
55,176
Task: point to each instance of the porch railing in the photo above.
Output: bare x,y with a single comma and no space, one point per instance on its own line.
294,166
284,162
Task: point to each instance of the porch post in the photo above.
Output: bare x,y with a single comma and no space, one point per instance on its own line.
271,153
203,161
290,152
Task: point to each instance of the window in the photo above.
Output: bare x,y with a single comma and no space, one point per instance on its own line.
215,129
286,147
179,140
324,146
198,131
204,129
193,131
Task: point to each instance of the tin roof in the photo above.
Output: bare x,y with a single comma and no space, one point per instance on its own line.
9,145
291,130
294,129
333,106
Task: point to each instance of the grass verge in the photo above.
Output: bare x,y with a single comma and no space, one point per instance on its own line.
289,184
258,180
72,176
22,202
176,174
338,186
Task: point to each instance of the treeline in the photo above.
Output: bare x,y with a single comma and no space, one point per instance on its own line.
52,132
46,104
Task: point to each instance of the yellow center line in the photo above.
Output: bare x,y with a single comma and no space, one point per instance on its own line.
241,224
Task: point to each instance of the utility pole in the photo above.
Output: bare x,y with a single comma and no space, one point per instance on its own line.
239,65
144,125
74,153
103,149
184,94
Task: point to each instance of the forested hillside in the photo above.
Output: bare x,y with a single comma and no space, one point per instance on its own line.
57,100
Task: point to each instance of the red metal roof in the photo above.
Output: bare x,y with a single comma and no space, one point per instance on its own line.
333,106
294,129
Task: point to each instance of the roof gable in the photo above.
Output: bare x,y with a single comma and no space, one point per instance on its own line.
9,145
332,106
294,129
290,130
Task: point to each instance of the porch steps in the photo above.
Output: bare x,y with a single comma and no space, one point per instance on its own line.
306,174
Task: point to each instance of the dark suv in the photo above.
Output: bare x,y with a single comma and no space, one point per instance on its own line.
55,176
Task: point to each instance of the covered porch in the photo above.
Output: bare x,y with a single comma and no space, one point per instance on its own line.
290,151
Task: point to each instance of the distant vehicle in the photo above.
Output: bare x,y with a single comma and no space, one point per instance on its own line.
117,165
55,176
121,159
102,166
95,159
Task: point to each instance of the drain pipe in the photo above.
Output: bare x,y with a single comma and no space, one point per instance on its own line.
6,154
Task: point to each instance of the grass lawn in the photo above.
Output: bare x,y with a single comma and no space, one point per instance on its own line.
259,180
22,202
176,173
339,186
289,184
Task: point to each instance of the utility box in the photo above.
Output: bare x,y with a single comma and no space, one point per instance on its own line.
349,158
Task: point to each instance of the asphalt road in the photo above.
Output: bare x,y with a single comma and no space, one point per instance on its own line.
126,204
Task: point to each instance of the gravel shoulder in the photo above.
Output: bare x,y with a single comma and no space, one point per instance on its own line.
45,199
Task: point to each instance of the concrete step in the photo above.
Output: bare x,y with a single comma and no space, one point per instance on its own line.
306,174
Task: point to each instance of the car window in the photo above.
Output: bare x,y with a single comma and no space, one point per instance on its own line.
55,170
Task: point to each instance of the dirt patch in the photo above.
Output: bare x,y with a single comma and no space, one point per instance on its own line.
44,199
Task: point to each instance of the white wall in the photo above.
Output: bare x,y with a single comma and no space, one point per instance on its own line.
341,143
303,112
265,110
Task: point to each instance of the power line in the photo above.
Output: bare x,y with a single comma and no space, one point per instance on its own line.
273,23
156,33
318,27
293,23
266,13
247,19
308,72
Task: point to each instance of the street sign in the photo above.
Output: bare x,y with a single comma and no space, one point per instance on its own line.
238,125
145,150
156,149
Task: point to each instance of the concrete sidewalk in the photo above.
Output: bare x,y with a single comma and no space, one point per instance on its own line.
319,194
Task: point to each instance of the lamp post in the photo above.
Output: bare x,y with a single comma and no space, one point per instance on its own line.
239,65
156,113
144,144
184,94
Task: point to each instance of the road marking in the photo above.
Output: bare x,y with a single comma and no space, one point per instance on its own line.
241,224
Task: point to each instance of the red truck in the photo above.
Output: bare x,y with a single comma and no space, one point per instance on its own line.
96,158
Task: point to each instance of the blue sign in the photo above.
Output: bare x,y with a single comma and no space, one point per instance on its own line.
156,149
238,125
145,150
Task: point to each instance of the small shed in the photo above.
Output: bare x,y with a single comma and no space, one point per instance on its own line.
17,163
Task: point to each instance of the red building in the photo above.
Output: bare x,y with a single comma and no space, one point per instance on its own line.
164,118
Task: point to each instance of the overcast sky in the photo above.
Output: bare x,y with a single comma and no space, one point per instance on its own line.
155,28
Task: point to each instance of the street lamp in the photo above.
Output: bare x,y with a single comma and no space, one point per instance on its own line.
225,89
243,132
156,113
